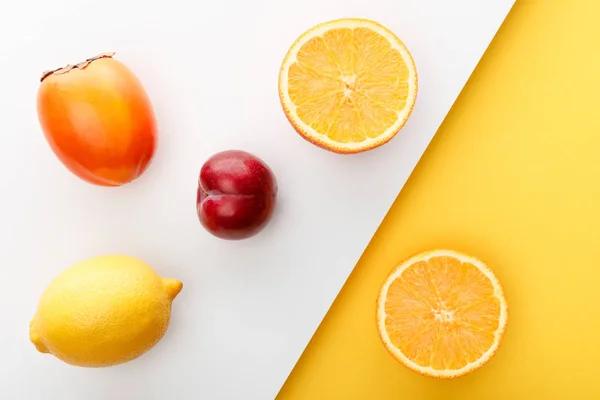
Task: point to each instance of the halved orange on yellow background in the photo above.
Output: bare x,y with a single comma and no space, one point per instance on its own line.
348,85
442,313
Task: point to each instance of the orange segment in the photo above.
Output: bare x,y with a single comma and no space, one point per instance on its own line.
442,313
348,85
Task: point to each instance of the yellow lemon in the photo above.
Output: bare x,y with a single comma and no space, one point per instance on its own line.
103,311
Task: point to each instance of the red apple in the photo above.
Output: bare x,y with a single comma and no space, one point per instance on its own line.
236,194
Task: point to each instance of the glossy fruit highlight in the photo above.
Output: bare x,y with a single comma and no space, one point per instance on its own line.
236,194
98,120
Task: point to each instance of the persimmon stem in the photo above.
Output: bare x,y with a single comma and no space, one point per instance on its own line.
71,67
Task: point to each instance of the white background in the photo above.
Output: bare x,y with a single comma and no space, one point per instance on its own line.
248,308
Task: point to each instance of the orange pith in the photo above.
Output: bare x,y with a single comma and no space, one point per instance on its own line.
442,313
348,85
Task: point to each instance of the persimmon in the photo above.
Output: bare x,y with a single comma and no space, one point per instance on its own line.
98,120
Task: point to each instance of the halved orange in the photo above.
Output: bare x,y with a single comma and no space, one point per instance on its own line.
442,313
348,85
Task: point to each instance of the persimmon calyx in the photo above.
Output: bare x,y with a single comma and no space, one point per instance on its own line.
81,65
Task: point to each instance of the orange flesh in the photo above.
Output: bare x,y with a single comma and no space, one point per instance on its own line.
349,84
442,313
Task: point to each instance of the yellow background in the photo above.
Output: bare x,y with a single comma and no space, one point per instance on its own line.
513,177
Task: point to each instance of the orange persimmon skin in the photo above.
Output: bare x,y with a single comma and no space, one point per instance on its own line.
98,121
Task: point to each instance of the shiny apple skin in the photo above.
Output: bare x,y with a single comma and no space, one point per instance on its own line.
236,195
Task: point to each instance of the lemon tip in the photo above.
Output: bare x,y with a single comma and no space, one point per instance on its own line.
173,287
35,338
